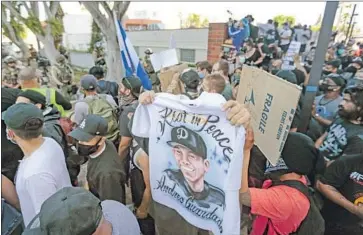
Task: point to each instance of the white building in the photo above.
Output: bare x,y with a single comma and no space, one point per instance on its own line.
191,44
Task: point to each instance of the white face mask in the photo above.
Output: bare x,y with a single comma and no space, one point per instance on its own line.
9,138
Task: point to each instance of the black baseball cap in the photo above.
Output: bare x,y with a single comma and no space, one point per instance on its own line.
88,82
190,78
188,138
335,63
34,96
337,79
93,125
18,115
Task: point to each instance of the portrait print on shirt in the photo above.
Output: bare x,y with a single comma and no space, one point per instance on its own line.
195,163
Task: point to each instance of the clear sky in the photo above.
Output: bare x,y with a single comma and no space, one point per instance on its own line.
168,12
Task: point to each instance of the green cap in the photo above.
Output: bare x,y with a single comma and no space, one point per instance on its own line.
132,83
17,115
71,210
91,126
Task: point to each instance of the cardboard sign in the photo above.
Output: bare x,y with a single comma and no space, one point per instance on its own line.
164,59
166,76
272,103
288,59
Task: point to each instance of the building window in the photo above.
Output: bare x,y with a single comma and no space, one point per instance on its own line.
187,55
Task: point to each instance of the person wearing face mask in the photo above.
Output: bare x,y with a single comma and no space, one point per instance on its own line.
326,105
43,170
105,174
345,134
222,68
130,89
332,66
353,68
285,37
204,68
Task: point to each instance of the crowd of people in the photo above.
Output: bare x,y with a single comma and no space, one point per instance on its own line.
315,188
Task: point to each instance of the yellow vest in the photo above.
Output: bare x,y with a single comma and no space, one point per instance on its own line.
50,99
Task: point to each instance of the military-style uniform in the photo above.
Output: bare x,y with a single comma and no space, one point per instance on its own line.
151,72
62,76
9,76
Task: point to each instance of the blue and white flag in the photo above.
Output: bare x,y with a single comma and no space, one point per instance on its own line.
130,60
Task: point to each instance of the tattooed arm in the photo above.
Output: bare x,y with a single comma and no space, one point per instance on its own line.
335,196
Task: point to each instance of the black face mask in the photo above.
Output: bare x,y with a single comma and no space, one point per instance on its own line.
86,150
351,69
326,72
325,87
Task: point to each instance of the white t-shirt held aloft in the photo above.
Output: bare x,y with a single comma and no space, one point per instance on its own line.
39,176
196,159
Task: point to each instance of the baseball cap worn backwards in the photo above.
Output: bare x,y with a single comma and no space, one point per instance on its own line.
88,82
188,138
17,116
91,126
70,211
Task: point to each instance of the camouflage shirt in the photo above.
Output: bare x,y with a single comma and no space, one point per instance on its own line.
10,75
148,65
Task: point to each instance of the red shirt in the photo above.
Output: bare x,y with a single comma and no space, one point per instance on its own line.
284,206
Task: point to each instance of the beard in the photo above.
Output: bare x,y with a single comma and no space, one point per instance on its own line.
348,115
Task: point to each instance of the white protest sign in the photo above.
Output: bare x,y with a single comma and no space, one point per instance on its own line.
288,59
272,111
164,59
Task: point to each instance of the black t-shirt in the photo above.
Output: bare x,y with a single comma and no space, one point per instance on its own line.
343,137
125,117
105,174
346,175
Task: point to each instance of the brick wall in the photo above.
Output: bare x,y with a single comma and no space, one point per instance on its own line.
218,33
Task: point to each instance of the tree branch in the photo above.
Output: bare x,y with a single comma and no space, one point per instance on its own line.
107,9
35,8
47,10
121,8
98,17
13,10
12,34
54,7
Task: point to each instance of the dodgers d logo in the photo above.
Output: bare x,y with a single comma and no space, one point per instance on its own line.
182,133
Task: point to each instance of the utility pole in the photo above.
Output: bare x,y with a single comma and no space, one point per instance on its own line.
350,23
351,31
315,74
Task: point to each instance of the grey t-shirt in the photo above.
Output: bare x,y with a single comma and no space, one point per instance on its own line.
327,108
122,219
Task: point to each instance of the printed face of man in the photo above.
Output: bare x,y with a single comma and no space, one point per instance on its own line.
192,165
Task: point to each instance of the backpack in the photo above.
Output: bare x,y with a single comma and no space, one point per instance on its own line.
99,105
314,222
